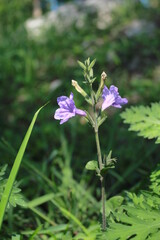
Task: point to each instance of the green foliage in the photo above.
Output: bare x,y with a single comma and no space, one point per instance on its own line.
139,219
30,69
8,17
16,237
108,163
155,181
92,165
11,180
135,223
87,67
144,120
15,197
113,204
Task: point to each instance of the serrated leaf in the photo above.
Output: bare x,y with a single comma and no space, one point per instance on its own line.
113,203
20,201
92,165
2,171
144,120
140,218
135,223
155,181
16,198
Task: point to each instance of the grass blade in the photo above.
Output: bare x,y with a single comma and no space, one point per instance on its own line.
55,229
69,215
15,168
42,215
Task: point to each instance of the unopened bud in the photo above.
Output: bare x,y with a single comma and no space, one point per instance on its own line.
103,76
101,85
81,91
78,88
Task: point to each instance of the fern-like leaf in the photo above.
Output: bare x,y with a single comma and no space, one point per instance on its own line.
155,181
144,120
16,197
2,171
135,223
140,218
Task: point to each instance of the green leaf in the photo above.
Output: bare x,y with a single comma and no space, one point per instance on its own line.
15,197
144,120
55,229
136,223
113,203
155,181
69,215
109,161
2,171
109,155
15,168
87,62
16,237
91,73
92,165
101,120
140,218
92,64
82,65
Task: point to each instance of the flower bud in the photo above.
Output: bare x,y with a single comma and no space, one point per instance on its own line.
101,85
103,76
81,91
78,88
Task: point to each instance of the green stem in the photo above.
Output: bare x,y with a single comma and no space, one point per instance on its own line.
103,197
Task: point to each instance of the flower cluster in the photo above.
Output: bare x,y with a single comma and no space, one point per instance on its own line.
111,96
68,109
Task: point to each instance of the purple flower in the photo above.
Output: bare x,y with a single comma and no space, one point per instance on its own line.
112,98
67,109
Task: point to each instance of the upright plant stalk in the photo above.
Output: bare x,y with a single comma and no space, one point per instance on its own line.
99,155
110,97
102,179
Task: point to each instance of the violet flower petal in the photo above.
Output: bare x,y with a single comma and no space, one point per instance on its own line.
67,109
62,113
80,112
109,100
112,98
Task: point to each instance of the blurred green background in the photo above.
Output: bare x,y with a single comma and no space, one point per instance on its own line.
39,50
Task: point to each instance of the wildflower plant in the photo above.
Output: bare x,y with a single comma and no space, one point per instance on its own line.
107,98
